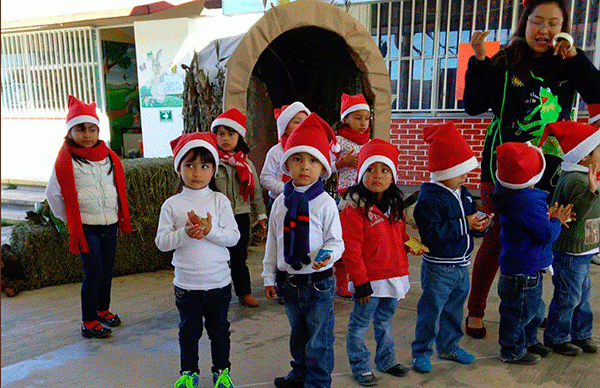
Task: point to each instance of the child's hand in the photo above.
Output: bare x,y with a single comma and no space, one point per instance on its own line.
363,300
194,231
415,247
263,225
593,177
477,222
270,292
562,212
350,160
204,223
321,264
207,224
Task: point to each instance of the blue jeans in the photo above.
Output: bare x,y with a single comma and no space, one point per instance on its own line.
570,313
521,312
211,307
381,310
440,308
309,309
98,266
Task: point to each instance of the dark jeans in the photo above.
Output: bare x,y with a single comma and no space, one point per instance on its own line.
98,266
521,312
309,309
240,275
211,307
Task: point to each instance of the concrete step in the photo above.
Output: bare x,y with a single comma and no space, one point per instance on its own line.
22,195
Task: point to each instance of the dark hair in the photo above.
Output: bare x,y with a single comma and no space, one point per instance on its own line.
79,159
241,144
205,157
392,197
518,57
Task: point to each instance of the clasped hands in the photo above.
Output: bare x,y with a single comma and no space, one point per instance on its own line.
196,226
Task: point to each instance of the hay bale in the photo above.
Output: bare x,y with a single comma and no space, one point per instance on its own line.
45,254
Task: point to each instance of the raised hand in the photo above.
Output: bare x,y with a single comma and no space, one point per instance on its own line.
478,44
593,177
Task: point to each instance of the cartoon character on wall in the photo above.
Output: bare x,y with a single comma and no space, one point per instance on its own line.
161,88
157,82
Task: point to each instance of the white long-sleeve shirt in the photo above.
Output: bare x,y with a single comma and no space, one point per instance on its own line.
325,232
199,264
271,174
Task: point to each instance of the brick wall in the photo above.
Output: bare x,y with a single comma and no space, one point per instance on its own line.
407,135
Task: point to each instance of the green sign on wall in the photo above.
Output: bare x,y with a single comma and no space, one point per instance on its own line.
166,115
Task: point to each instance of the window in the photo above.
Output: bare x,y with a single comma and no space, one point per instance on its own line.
40,69
419,41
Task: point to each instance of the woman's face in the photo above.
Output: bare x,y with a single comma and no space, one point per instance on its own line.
543,23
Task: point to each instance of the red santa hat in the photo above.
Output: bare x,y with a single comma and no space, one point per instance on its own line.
520,165
577,140
233,119
313,136
594,113
449,155
186,142
378,150
286,113
80,112
352,104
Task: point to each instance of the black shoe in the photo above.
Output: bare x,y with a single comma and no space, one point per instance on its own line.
98,331
527,359
539,349
566,349
397,370
110,319
587,345
475,332
367,379
284,382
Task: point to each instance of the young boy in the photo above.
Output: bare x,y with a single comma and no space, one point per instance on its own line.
594,119
526,237
446,217
570,313
304,240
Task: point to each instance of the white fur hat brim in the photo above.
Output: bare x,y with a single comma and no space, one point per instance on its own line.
377,158
583,149
452,172
193,144
228,123
82,119
354,108
310,150
288,114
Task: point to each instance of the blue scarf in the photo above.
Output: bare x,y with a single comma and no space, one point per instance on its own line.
296,223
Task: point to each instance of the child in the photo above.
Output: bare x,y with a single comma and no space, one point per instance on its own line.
237,179
528,229
352,133
374,233
271,177
198,224
594,113
304,240
570,313
87,191
447,220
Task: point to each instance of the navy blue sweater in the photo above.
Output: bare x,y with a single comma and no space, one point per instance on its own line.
443,224
526,231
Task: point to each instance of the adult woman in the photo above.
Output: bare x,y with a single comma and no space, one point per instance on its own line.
528,84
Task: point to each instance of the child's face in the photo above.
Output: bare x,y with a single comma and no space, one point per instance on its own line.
358,120
227,139
195,173
456,182
294,122
377,178
304,168
592,159
84,135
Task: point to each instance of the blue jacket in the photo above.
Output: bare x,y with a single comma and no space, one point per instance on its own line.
443,225
526,231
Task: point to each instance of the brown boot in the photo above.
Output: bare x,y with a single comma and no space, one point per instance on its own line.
248,301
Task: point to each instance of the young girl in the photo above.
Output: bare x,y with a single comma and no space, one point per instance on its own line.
527,84
271,177
374,234
352,133
237,179
87,191
198,224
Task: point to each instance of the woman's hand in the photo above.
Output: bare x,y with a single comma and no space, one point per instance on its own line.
564,49
478,44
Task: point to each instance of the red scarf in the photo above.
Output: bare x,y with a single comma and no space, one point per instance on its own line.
283,140
352,135
244,172
63,168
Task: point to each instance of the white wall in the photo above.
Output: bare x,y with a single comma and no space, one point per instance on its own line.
156,44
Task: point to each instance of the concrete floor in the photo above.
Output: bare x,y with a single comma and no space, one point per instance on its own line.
42,345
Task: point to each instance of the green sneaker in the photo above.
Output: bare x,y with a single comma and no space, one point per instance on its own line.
188,380
222,379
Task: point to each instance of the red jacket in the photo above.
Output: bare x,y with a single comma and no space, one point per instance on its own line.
374,246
